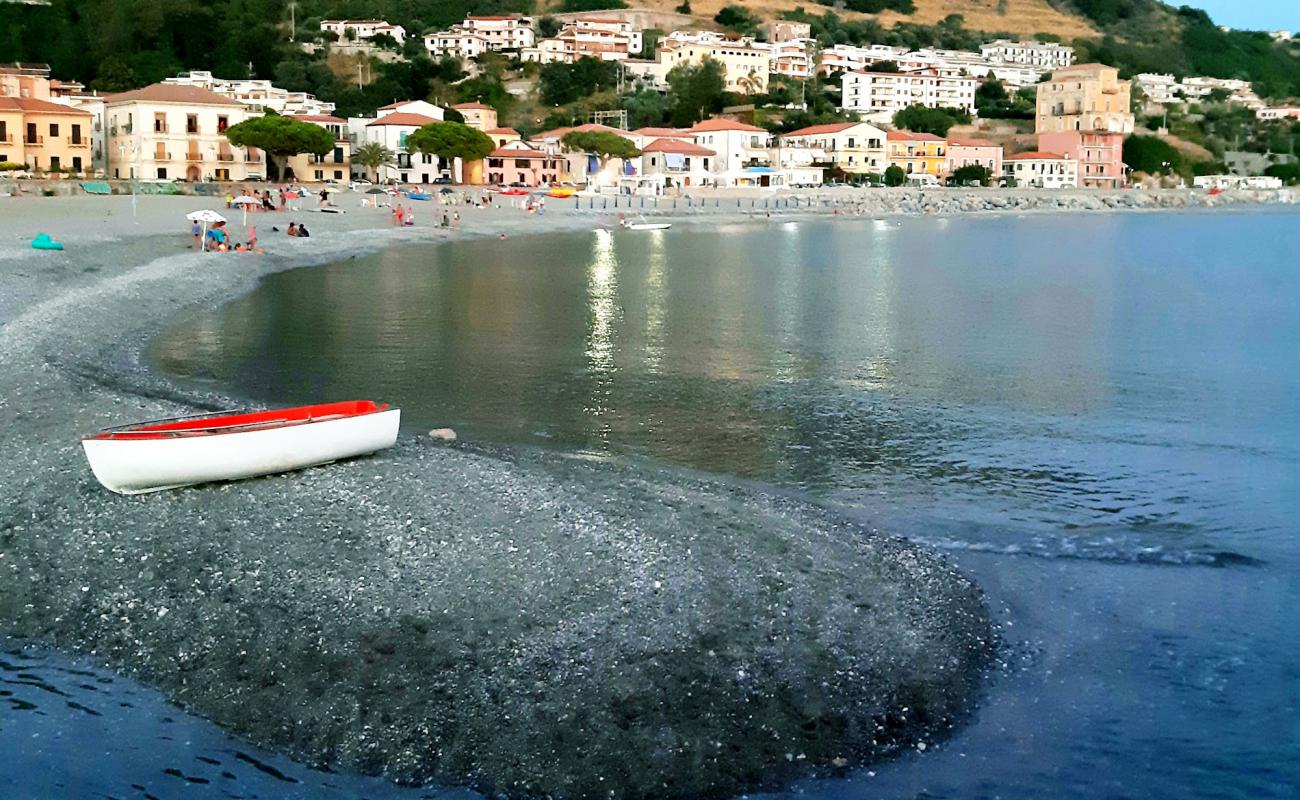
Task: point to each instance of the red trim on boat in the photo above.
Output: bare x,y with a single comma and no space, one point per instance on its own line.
242,423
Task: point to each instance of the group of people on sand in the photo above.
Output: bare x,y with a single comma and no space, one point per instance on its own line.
219,239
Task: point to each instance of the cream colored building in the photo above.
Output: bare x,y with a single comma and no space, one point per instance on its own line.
851,146
878,96
335,165
478,115
745,64
165,132
1085,97
481,34
608,39
40,126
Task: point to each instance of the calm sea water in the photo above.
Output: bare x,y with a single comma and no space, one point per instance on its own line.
1097,416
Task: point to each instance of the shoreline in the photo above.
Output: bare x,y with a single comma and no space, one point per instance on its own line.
272,606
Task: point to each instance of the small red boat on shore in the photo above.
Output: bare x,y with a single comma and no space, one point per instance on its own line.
164,454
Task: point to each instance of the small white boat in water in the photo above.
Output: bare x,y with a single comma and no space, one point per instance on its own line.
643,225
164,454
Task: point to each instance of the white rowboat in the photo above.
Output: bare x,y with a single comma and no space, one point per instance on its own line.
165,454
646,226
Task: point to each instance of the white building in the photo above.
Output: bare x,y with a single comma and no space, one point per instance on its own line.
673,163
164,132
848,58
391,130
605,38
1278,112
792,58
1042,170
257,96
1045,55
481,34
877,96
745,63
851,146
1159,87
737,144
358,30
1167,90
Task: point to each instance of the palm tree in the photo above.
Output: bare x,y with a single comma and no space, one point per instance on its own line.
750,83
374,155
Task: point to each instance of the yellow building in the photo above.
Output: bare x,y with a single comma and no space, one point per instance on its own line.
1085,97
335,165
744,67
43,135
917,153
478,115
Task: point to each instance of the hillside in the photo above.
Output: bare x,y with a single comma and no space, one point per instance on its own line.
1023,17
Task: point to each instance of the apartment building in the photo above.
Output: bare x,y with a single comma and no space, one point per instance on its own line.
675,163
854,147
477,115
849,58
1166,89
335,165
168,132
1044,55
1278,112
45,136
359,30
608,39
792,58
391,129
1042,170
877,96
258,96
33,82
518,163
481,34
1098,155
1085,97
745,63
784,30
736,145
917,153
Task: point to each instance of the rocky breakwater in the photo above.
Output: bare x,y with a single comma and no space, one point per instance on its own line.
528,623
971,201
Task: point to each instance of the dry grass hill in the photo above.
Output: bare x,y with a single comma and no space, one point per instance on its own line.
1024,17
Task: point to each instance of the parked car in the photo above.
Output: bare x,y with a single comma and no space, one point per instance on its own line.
253,176
441,180
360,184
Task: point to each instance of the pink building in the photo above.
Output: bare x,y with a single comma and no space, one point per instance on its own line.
977,152
1100,155
519,163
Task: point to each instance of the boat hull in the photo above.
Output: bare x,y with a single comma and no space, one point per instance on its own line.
138,466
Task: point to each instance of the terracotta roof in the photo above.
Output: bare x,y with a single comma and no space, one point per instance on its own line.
504,131
171,93
516,152
31,104
908,136
662,132
402,118
473,105
830,127
718,124
1034,156
677,146
319,118
971,143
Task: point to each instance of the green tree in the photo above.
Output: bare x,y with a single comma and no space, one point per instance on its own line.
930,120
885,66
737,19
281,137
547,27
697,91
573,6
971,172
895,176
560,84
602,144
645,107
1289,173
451,140
1152,155
684,8
374,155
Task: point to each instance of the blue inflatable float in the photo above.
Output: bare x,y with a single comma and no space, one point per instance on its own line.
419,196
44,242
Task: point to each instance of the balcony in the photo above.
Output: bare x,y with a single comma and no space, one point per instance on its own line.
193,156
227,158
78,142
7,139
38,141
162,156
160,129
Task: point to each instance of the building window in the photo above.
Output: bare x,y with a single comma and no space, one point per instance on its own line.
191,123
54,131
222,124
162,173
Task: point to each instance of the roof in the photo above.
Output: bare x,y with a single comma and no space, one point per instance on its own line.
319,118
516,152
971,143
403,118
1034,156
480,106
662,132
719,124
504,131
504,17
1089,67
830,127
677,146
171,93
31,104
909,136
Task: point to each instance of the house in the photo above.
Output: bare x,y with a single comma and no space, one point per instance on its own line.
784,30
878,96
1278,112
644,136
45,136
421,107
917,153
583,167
32,82
853,147
608,39
358,30
1085,97
477,115
335,165
974,152
519,163
502,136
745,64
738,145
674,163
165,131
1042,170
1098,154
481,34
1048,55
793,58
392,130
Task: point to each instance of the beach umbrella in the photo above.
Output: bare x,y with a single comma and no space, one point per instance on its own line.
244,199
208,217
445,190
376,191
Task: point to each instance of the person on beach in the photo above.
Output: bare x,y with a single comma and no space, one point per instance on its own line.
324,196
455,220
281,193
293,229
399,214
197,230
303,233
252,237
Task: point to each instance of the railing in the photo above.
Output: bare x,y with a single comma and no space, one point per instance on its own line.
193,156
78,142
227,157
7,139
37,142
160,129
162,156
